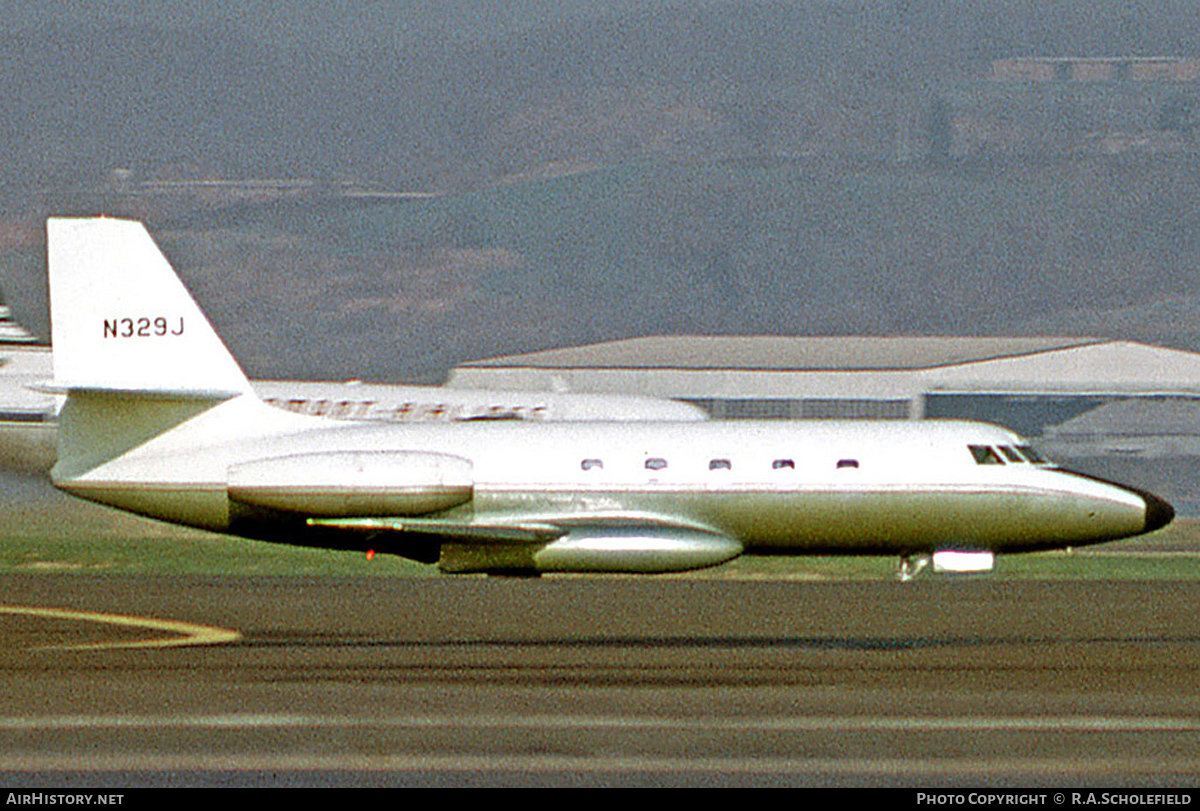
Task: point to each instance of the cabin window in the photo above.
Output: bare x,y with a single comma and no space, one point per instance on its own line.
985,455
1010,454
720,464
1030,453
656,464
847,463
592,464
783,464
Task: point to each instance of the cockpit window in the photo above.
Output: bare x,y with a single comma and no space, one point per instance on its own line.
985,455
1010,454
1031,453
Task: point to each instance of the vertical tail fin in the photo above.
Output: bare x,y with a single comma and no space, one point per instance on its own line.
121,320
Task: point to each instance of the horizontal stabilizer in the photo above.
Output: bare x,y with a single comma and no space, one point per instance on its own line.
192,393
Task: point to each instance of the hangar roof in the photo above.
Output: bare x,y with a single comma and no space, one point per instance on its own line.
774,353
739,367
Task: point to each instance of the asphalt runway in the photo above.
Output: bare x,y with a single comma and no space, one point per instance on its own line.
584,681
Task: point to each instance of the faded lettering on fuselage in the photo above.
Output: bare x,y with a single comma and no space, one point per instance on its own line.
408,411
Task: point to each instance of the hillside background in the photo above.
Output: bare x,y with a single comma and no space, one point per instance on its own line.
605,170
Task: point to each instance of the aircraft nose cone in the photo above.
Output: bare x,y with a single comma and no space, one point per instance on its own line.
1158,512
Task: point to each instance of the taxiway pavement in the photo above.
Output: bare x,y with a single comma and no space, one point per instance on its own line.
596,681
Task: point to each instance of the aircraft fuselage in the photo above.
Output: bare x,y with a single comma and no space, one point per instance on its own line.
782,487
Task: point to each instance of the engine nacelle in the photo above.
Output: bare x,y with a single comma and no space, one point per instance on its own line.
354,483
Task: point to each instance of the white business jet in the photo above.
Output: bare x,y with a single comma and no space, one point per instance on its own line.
160,420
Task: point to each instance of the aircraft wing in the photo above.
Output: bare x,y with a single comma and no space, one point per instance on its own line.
408,493
524,532
568,543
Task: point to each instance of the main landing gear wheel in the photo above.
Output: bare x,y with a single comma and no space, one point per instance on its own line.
912,565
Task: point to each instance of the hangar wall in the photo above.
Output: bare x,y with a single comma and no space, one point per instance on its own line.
1122,409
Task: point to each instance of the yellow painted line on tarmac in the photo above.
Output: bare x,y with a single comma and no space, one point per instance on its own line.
189,633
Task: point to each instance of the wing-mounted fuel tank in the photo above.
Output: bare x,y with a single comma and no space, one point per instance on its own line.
354,483
629,549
